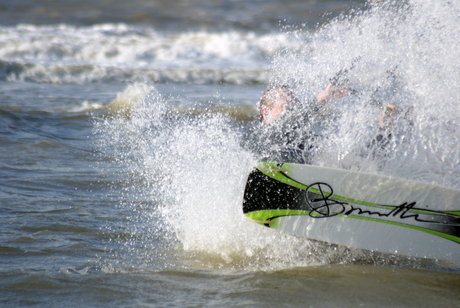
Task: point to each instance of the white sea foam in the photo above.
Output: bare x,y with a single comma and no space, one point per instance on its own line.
87,106
68,54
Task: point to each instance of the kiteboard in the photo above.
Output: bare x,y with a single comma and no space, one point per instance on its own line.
367,211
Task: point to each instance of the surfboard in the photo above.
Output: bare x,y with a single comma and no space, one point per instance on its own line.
367,211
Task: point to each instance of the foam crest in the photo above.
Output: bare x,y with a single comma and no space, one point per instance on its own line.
77,74
68,54
125,101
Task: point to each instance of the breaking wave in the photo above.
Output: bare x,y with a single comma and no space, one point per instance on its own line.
118,52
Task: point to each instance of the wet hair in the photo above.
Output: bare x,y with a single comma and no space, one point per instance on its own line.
267,98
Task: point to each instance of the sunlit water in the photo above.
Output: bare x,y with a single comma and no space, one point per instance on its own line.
122,170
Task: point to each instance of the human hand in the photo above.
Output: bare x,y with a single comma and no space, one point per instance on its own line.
333,92
386,115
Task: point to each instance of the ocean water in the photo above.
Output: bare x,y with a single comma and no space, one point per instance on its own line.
121,166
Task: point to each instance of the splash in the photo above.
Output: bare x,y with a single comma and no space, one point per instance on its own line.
408,56
186,171
185,177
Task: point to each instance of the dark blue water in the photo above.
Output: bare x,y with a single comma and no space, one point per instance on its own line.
179,16
121,169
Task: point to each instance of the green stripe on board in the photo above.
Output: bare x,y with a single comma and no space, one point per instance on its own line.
265,217
272,170
437,233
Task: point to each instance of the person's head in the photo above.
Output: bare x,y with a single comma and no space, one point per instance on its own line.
274,102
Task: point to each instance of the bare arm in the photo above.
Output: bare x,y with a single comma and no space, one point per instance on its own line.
332,93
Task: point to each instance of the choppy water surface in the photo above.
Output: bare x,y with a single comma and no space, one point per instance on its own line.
122,171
